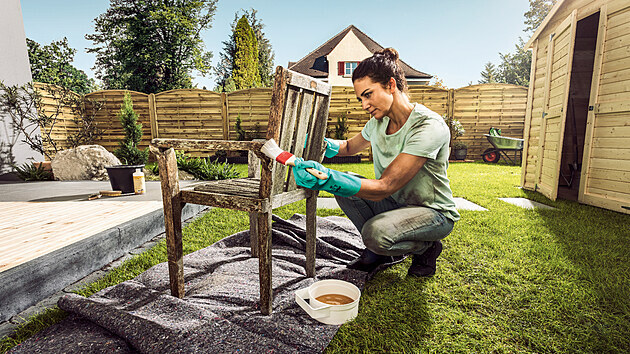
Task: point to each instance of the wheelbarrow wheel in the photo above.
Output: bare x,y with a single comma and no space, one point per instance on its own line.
491,155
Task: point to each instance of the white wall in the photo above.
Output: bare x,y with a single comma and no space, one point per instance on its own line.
14,70
349,48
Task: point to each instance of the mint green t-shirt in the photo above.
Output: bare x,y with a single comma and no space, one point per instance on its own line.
424,134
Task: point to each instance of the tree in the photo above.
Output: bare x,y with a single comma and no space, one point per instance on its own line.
34,121
439,83
538,10
489,74
224,68
515,67
51,64
151,46
245,72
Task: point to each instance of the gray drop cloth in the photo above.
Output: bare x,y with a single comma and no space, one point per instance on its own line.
220,311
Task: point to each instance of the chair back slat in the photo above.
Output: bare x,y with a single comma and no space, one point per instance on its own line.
317,129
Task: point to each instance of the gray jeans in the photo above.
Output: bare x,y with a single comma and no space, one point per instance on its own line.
392,229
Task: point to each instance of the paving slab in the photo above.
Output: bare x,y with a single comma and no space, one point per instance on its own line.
463,204
327,203
526,203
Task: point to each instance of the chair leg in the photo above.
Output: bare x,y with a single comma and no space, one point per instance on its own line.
311,233
264,261
171,200
253,233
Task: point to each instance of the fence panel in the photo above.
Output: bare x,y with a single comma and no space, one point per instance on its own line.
189,114
252,105
480,107
107,118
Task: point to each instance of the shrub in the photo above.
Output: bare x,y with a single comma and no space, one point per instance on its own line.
204,168
28,172
128,151
459,145
341,128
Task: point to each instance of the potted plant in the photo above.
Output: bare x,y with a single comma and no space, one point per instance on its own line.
121,176
460,149
457,130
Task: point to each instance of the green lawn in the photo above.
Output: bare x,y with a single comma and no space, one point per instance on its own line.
509,279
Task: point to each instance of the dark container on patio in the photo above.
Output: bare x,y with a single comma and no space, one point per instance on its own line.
121,177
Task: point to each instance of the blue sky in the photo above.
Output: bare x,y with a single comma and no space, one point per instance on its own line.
451,39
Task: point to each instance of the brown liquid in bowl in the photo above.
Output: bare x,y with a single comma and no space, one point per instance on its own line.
334,299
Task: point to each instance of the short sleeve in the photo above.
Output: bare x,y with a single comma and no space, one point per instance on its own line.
368,129
426,138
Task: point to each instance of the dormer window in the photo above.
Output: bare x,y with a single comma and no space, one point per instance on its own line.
346,68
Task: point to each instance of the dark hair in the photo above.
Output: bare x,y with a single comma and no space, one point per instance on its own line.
381,67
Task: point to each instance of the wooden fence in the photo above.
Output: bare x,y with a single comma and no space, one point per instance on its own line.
202,114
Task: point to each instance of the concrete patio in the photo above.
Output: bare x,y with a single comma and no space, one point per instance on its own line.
51,235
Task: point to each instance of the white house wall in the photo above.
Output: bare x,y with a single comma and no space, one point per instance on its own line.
350,48
14,70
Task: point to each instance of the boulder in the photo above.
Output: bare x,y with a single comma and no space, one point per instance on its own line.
85,162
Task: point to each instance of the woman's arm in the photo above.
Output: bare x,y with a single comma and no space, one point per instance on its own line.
396,175
353,145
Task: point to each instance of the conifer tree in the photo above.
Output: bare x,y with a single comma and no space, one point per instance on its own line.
489,74
245,73
224,67
128,152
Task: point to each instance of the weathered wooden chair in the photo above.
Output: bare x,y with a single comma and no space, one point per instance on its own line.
299,106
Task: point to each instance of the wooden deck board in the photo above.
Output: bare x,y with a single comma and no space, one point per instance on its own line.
29,230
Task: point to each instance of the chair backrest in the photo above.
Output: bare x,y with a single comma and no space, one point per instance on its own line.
299,106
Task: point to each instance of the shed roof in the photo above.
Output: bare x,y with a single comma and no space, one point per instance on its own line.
315,64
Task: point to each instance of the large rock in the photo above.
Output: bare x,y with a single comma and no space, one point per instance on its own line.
85,162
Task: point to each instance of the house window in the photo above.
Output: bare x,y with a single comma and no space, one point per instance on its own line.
350,66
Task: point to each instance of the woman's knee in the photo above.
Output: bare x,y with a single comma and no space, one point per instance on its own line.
375,236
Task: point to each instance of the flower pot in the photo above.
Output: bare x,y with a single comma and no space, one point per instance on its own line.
460,154
121,177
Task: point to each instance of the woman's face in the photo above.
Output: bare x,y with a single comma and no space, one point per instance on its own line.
374,98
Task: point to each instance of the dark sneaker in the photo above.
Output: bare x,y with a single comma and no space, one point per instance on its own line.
368,261
424,265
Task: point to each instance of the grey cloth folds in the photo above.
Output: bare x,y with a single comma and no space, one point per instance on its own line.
219,312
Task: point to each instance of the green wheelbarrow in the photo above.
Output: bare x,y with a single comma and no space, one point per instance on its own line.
502,147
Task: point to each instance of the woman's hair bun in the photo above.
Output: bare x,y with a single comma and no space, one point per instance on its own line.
389,53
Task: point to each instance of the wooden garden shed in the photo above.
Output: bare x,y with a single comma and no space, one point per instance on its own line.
577,123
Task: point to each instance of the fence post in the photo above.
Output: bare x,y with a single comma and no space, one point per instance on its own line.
153,117
450,101
224,116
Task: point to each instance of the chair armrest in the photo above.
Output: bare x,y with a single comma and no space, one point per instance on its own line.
196,144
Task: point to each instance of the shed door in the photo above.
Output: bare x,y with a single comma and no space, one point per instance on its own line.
559,62
605,179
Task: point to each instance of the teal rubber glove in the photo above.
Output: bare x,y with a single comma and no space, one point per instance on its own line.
332,147
338,183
